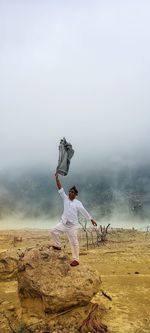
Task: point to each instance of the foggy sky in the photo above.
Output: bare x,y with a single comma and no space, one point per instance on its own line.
79,69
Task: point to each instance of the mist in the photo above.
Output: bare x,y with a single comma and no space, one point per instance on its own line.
79,70
74,69
119,197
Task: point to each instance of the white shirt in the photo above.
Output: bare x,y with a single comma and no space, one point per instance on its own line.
72,208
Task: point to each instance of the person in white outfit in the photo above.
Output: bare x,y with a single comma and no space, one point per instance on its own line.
69,221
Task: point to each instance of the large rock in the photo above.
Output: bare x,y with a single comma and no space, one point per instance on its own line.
47,283
8,265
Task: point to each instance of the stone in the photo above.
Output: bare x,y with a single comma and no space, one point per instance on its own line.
8,265
11,308
47,284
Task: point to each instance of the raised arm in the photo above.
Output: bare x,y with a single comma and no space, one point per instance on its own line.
58,184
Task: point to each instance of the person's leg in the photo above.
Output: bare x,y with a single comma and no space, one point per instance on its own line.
55,234
73,239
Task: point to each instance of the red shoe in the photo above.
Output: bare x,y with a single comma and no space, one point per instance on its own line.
74,263
56,248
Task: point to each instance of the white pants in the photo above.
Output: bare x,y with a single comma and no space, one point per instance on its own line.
71,232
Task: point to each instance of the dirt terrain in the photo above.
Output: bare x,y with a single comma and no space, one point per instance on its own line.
123,263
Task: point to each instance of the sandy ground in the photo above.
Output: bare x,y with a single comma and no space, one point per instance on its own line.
123,263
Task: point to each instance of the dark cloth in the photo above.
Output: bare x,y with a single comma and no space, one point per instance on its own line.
65,154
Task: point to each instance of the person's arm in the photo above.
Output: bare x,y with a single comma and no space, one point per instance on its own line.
58,183
85,213
60,189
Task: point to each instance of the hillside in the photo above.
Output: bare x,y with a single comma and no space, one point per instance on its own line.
32,193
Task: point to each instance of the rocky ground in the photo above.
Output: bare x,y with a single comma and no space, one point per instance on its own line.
123,263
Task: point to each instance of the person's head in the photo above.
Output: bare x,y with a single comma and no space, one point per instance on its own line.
73,192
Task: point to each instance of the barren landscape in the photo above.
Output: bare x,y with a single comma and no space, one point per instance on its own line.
123,263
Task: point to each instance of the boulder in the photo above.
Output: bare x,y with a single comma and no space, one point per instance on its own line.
48,284
8,265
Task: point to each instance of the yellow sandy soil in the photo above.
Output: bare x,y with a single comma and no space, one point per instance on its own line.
123,263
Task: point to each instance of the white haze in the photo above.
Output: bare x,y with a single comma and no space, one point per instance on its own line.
79,69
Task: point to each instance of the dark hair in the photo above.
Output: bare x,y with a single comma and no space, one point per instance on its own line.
73,188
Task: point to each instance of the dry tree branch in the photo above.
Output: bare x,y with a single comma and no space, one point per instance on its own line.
84,227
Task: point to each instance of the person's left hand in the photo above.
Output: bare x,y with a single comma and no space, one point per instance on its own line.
94,223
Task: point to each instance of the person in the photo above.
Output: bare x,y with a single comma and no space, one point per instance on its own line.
69,221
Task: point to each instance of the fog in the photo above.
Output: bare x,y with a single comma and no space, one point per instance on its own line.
119,197
78,69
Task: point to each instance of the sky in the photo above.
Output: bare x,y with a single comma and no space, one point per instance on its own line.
79,69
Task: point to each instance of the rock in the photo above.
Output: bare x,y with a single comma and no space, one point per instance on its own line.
8,265
48,284
6,303
11,308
